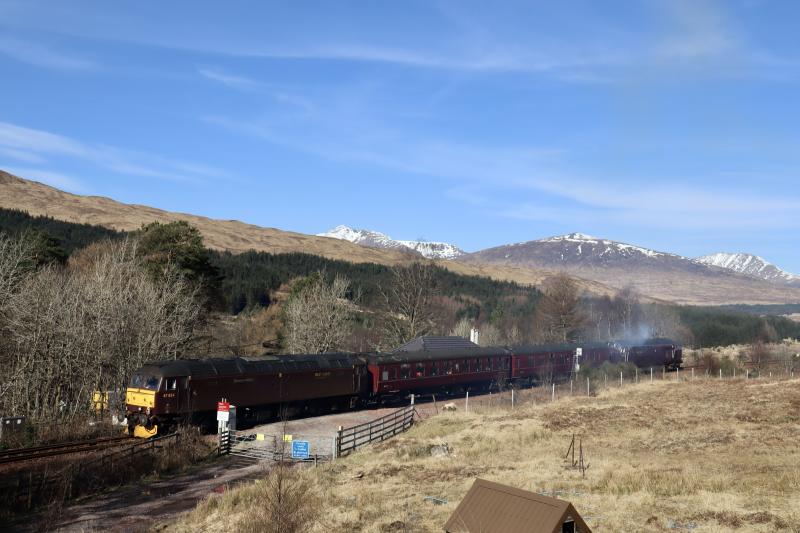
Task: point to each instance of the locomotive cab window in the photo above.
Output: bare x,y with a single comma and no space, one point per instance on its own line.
171,384
139,381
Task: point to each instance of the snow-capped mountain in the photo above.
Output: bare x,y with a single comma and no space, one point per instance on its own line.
572,251
750,264
376,239
617,264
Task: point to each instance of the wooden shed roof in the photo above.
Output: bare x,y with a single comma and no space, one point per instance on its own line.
490,507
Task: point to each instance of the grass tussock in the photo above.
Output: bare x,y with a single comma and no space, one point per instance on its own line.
704,456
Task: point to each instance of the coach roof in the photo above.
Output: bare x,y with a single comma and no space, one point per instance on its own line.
245,365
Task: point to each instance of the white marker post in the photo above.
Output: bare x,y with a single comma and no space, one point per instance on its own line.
651,374
466,403
553,397
620,379
512,398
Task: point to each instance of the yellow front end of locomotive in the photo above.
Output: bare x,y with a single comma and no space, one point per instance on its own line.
146,399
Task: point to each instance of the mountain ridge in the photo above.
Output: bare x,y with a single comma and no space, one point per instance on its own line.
751,265
376,239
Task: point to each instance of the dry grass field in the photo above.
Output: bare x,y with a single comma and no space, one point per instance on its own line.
703,455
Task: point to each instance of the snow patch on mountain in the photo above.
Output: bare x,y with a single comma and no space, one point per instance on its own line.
376,239
749,264
603,247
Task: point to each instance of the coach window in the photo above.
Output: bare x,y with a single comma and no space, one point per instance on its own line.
469,366
435,368
405,371
420,370
454,367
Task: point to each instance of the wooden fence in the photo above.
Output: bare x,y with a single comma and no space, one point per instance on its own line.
348,439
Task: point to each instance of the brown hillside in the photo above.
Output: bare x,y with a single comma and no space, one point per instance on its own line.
232,235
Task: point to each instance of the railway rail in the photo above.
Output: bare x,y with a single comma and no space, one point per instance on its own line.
28,454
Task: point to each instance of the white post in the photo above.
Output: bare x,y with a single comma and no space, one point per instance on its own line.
466,404
720,373
651,374
512,398
692,373
770,374
678,374
412,398
747,373
605,380
734,371
553,397
620,379
637,374
587,386
570,387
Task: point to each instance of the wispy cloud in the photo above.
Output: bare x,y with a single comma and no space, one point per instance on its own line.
42,56
230,80
480,174
21,155
133,163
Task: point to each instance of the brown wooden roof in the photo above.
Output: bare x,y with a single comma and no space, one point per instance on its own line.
494,508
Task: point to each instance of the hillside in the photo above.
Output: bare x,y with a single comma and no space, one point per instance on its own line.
600,268
656,274
234,236
653,465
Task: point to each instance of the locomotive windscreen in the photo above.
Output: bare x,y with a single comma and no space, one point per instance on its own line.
139,381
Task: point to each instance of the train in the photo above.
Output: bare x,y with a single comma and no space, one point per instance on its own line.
163,394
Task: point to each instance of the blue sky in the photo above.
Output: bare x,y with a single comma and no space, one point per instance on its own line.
668,124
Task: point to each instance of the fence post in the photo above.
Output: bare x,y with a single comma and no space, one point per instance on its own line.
692,373
512,397
338,443
651,374
747,373
570,387
720,373
587,386
734,372
412,398
466,403
553,397
637,374
677,374
620,379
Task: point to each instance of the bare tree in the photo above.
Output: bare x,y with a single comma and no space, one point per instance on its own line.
759,355
76,330
462,328
559,317
317,316
409,303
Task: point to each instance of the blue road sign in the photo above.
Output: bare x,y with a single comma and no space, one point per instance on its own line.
299,449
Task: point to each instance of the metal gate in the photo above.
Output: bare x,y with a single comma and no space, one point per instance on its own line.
270,447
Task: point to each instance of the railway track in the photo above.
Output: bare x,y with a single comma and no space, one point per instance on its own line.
38,452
